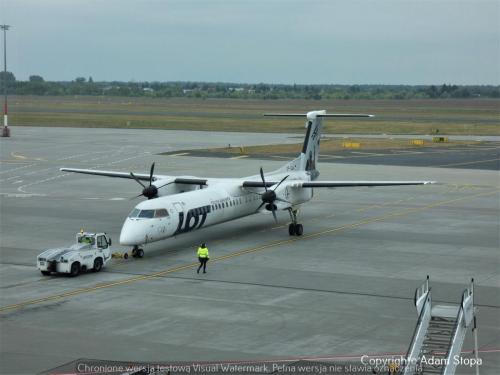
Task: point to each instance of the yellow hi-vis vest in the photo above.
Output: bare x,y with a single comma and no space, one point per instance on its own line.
203,252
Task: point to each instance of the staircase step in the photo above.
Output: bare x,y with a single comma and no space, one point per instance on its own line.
443,339
431,371
434,323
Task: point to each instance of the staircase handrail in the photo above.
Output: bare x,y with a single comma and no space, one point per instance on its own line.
410,365
460,317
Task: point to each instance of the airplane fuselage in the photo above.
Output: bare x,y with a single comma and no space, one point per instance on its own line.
172,215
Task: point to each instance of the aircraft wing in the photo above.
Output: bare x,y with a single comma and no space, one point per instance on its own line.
249,184
140,176
337,184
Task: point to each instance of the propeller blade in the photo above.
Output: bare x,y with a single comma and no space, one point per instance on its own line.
137,196
274,214
151,174
258,208
282,200
280,182
138,181
168,183
263,179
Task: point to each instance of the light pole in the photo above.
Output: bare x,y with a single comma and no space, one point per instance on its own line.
5,130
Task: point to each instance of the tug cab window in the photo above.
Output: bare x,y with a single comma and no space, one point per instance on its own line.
102,243
89,240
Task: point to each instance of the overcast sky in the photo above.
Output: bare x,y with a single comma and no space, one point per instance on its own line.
302,41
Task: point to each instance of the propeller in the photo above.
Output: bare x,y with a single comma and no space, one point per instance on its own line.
269,196
150,191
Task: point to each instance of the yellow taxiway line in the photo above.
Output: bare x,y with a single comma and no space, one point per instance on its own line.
242,252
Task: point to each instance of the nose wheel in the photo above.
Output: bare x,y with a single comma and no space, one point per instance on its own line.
137,252
294,228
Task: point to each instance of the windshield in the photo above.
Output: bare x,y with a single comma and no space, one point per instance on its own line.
86,240
134,213
148,214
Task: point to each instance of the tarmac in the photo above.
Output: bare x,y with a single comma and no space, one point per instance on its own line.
343,290
474,156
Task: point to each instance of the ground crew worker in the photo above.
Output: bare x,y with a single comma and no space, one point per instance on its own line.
203,257
86,240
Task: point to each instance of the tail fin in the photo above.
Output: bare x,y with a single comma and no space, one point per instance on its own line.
308,158
310,149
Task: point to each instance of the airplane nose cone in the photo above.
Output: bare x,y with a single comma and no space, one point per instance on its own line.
131,234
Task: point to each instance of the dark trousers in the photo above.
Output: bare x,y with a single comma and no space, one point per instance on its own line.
203,263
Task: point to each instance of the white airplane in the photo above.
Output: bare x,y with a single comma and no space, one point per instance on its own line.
181,204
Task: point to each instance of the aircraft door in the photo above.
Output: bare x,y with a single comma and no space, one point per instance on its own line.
163,222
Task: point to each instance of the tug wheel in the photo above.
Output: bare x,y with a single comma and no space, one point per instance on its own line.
97,264
75,269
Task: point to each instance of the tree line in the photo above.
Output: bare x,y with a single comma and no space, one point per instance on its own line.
36,85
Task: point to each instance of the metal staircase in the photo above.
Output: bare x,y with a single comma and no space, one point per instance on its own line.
439,333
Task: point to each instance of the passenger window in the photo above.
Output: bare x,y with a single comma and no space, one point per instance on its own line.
102,243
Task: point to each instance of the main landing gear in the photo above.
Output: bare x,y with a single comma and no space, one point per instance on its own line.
137,252
294,229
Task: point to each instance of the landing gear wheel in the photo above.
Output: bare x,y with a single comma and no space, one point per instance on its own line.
134,252
294,229
140,253
97,265
45,273
75,269
125,256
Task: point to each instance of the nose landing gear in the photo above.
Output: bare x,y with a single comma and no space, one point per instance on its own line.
137,252
294,228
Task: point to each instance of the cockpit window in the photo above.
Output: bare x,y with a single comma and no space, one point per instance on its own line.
147,214
134,213
161,212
